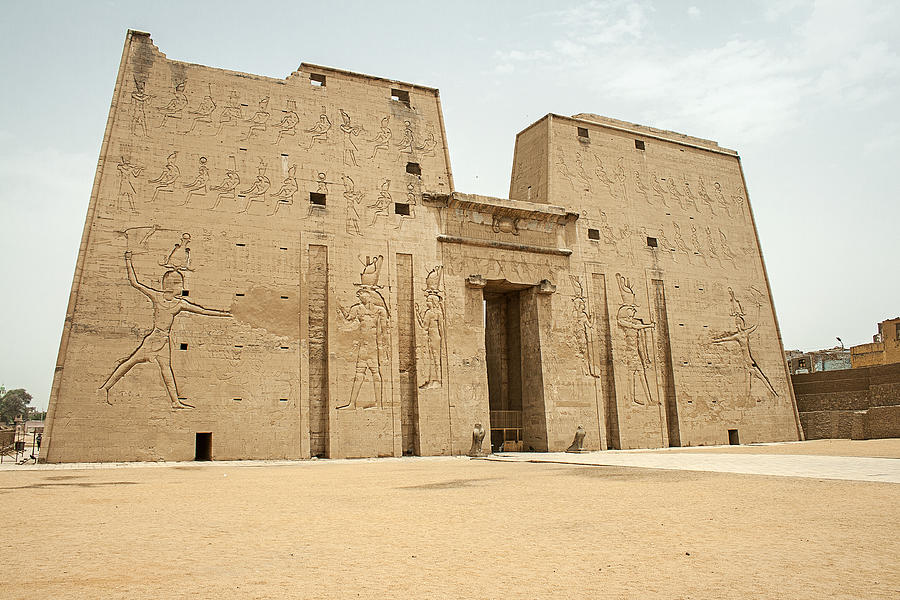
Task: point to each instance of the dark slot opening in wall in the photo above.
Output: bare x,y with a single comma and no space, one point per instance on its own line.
282,248
282,399
317,80
240,244
414,169
183,346
239,294
583,132
284,297
401,209
733,437
203,446
639,144
593,234
185,292
400,96
317,198
651,241
284,155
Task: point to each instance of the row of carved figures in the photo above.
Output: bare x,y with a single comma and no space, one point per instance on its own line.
368,320
638,348
210,119
170,182
705,243
658,190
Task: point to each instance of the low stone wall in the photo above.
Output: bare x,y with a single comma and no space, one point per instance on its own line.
858,404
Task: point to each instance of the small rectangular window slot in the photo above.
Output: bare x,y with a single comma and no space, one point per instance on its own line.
401,208
284,297
401,96
284,155
684,363
414,169
593,234
238,346
583,132
239,294
242,195
691,218
668,214
240,244
639,144
706,325
317,198
185,292
182,346
282,248
676,286
681,324
242,149
316,80
708,363
282,399
242,104
236,399
651,241
285,348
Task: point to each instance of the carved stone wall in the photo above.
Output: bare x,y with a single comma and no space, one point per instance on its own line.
284,264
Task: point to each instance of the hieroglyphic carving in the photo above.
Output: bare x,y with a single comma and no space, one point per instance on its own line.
203,114
641,188
257,191
179,259
157,344
726,249
585,329
290,120
260,119
353,199
636,355
564,170
664,243
138,109
677,195
383,137
659,191
429,143
319,131
711,246
504,224
173,109
408,141
128,174
742,338
200,185
371,319
350,131
166,180
689,194
289,187
720,198
432,321
698,247
680,244
738,199
229,184
383,204
232,114
704,197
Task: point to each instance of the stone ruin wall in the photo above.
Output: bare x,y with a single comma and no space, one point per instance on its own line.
356,327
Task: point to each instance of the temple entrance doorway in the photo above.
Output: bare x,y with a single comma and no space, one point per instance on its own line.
512,351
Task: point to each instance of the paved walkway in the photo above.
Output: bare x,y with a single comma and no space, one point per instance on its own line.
787,465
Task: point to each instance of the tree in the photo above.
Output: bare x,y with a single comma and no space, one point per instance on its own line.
14,403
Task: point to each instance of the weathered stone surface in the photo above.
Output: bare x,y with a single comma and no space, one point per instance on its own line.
285,264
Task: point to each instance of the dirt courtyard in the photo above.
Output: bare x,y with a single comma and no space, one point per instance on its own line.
446,528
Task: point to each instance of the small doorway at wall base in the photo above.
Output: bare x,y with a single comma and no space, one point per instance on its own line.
733,437
203,446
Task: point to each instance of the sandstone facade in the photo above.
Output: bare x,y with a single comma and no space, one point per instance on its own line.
283,269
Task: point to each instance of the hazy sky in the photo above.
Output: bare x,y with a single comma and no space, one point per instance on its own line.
807,92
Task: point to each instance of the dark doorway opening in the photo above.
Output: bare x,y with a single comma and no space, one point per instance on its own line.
513,362
203,447
733,437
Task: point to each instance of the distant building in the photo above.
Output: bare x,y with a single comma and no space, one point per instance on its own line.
884,349
832,359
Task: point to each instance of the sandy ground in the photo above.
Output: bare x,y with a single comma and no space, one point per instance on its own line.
443,528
